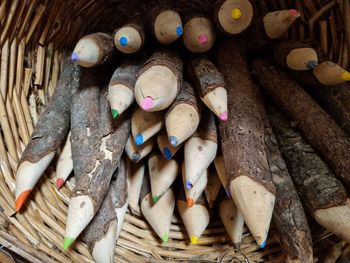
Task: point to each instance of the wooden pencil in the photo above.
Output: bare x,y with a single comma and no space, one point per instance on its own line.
144,125
137,171
323,194
233,17
49,134
165,23
159,81
138,152
213,187
193,193
196,218
90,190
232,219
221,171
102,233
182,118
165,146
130,37
159,214
319,128
288,216
199,33
200,149
121,87
93,50
162,174
242,142
210,85
295,55
64,165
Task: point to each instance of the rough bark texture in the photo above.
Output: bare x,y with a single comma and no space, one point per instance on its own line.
106,44
115,198
315,182
288,215
112,135
207,128
318,127
168,58
52,128
205,76
242,135
187,95
84,121
126,73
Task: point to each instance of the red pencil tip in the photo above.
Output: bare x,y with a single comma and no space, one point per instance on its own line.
294,12
59,183
190,202
21,199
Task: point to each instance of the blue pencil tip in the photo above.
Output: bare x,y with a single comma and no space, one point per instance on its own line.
74,57
179,31
167,153
228,192
135,157
189,185
139,139
173,141
263,245
123,41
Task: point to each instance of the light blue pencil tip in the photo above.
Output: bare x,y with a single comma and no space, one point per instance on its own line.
139,139
263,245
173,140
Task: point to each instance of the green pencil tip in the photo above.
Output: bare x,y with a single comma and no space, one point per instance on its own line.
115,114
67,242
165,238
155,198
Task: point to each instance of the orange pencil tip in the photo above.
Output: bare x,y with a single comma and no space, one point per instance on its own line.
21,199
190,202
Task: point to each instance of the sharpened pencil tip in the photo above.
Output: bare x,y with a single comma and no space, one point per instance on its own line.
167,153
223,116
179,31
165,238
21,199
139,139
236,13
189,185
346,76
190,202
115,114
294,12
156,198
263,245
203,39
173,140
147,103
237,246
59,183
67,243
135,157
312,64
123,41
194,240
74,57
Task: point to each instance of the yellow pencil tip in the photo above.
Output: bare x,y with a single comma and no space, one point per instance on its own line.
194,240
236,13
346,75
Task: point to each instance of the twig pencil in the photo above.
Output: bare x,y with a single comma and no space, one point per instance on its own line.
145,124
318,127
90,190
221,171
182,118
159,81
162,174
242,142
199,33
213,187
50,132
233,16
197,189
196,218
295,55
93,50
138,152
158,215
165,23
103,231
200,149
165,146
288,215
64,164
322,193
232,219
210,85
137,172
130,37
121,86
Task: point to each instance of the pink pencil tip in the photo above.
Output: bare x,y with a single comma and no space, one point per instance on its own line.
59,183
147,103
223,116
203,39
294,12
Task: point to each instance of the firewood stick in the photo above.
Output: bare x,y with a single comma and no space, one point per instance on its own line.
242,142
288,215
64,165
323,194
90,190
319,128
50,132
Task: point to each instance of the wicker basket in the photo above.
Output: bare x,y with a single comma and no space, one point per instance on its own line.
34,34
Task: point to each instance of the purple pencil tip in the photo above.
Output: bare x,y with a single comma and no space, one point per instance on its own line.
74,57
